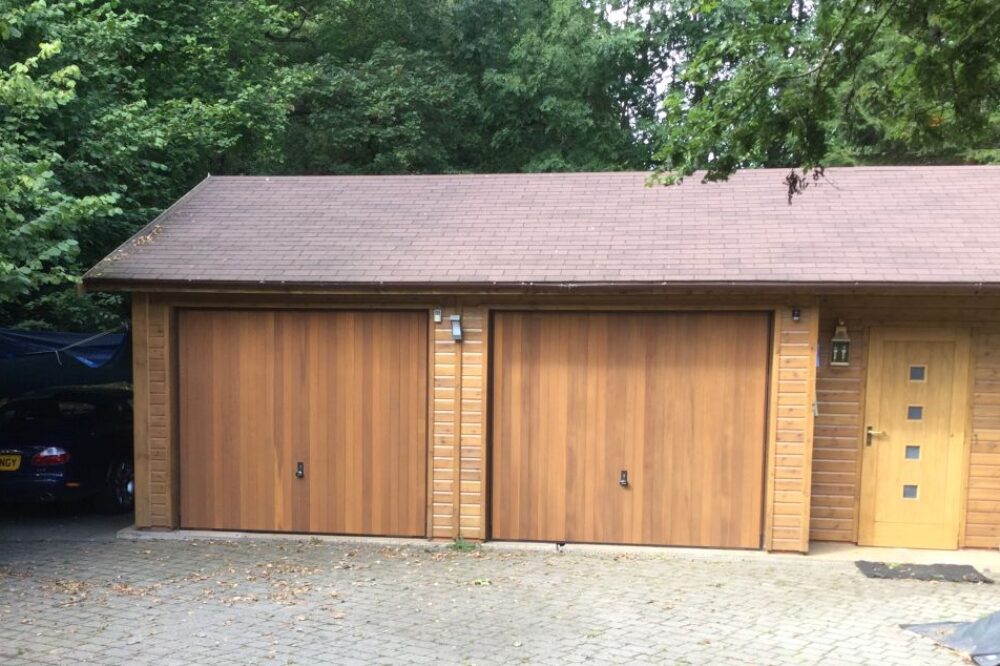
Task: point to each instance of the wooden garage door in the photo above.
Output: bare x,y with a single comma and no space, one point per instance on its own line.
341,392
676,401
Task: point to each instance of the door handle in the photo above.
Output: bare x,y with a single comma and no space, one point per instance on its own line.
300,470
870,432
623,479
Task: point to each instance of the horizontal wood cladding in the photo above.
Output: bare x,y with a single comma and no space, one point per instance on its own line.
618,300
458,401
155,414
839,424
472,432
446,369
458,467
792,427
982,518
156,446
840,397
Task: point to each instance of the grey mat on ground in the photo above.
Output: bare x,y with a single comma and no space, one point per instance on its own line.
979,640
955,573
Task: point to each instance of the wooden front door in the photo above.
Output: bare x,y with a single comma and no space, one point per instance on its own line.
342,393
914,443
640,428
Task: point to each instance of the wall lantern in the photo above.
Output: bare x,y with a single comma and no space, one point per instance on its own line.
437,315
456,328
840,346
796,314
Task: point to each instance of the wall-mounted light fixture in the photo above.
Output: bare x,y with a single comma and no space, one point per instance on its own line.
840,346
437,315
796,313
456,328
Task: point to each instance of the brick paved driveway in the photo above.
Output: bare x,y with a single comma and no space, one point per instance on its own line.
287,602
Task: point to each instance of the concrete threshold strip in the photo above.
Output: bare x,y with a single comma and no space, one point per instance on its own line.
820,553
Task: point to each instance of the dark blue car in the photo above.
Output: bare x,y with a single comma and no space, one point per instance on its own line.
68,444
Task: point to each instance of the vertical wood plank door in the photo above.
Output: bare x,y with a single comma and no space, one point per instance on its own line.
675,401
342,393
913,458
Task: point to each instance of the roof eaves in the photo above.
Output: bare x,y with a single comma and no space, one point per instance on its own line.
264,286
149,230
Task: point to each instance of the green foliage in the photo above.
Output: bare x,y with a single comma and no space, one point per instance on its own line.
778,83
40,218
939,98
110,110
397,111
552,106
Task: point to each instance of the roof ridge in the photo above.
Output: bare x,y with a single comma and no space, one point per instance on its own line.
623,172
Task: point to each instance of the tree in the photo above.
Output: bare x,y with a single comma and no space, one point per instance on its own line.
40,217
779,83
111,111
558,102
397,111
474,85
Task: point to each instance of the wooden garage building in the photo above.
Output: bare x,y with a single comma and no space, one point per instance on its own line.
573,358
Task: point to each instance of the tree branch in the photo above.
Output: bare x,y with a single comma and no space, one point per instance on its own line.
864,49
291,34
829,47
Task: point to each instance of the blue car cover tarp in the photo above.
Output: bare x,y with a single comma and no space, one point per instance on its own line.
980,640
34,360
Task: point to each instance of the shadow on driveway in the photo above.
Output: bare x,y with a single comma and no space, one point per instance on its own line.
59,522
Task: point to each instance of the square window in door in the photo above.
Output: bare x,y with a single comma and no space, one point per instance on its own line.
914,413
909,491
912,452
918,373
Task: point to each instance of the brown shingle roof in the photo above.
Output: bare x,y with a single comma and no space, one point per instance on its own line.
928,225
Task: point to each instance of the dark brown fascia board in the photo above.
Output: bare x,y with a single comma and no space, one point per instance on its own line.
454,288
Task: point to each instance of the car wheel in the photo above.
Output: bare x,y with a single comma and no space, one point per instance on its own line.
119,493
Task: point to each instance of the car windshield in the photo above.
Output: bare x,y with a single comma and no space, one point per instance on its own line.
32,412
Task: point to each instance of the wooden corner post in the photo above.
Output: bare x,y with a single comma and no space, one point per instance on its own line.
790,428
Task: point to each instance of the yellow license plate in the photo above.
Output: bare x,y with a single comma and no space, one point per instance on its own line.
10,463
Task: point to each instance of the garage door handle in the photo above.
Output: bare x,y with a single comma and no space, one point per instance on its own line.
623,479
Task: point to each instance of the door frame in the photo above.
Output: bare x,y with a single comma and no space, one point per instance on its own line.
770,390
960,422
